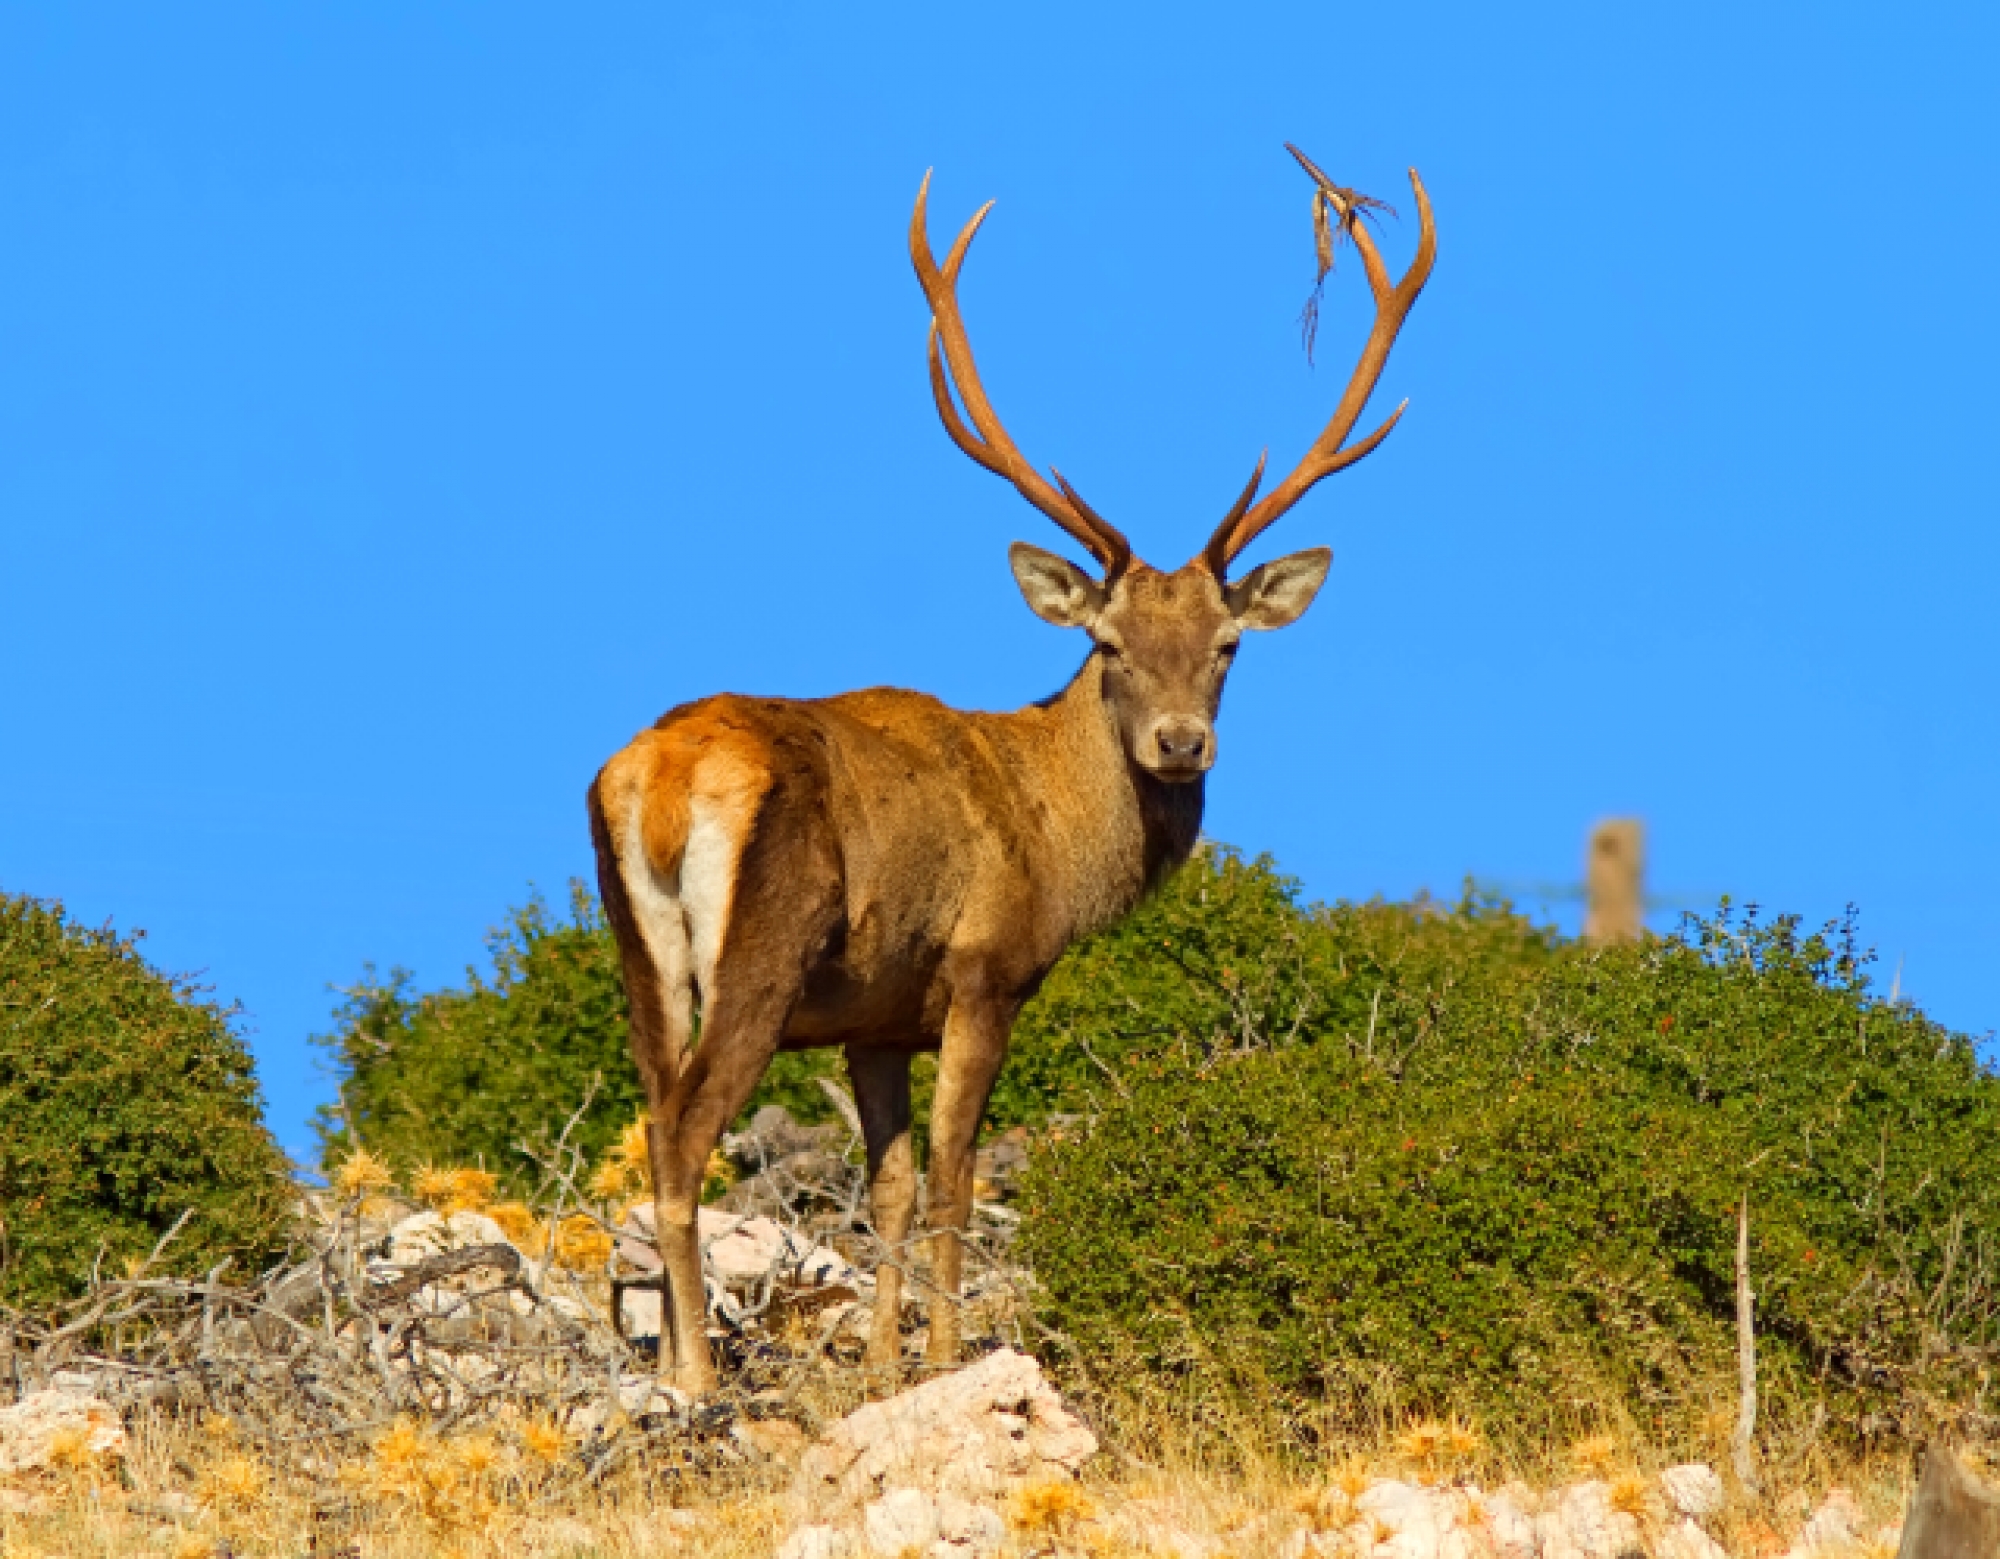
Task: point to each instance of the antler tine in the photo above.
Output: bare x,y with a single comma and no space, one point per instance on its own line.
990,445
1213,554
1392,307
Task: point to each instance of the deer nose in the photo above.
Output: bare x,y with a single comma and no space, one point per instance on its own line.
1182,743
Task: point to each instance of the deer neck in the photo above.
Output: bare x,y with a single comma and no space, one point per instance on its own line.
1116,830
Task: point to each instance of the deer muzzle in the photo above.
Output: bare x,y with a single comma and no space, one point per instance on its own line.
1179,747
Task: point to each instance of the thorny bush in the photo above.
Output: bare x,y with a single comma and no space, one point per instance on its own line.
1364,1161
127,1102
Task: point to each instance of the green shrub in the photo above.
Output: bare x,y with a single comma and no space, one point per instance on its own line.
1436,1163
468,1076
1223,956
126,1101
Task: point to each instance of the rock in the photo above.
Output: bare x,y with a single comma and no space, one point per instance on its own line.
1401,1515
1509,1529
1407,1521
816,1542
743,1255
1687,1540
46,1428
1693,1489
427,1234
744,1251
773,1136
901,1520
1580,1524
1835,1525
917,1474
997,1168
977,1433
375,1224
741,1252
966,1528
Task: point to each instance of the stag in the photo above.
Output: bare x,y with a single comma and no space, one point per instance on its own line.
883,873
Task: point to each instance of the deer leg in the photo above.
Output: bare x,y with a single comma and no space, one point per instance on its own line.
676,1228
881,1081
975,1043
740,1036
653,947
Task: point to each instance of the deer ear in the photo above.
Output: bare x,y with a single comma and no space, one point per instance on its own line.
1056,589
1276,594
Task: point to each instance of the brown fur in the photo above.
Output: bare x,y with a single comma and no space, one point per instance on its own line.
908,874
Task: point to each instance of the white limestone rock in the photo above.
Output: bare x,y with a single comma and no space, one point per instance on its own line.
45,1426
978,1433
1836,1525
423,1235
1687,1540
967,1530
816,1542
1408,1521
900,1521
1580,1523
1693,1489
1503,1518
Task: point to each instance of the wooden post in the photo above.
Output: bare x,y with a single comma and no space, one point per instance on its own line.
1614,876
1952,1517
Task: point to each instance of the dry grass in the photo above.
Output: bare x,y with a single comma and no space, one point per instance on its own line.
198,1489
190,1491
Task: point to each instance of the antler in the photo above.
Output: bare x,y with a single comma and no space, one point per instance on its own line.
1244,523
991,446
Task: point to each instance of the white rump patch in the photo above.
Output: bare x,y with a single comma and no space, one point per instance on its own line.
708,887
662,926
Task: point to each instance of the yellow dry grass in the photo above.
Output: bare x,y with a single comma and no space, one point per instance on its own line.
516,1220
199,1491
454,1190
1050,1510
1634,1495
1595,1455
361,1173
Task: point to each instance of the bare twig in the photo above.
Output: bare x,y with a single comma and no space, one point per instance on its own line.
1746,1355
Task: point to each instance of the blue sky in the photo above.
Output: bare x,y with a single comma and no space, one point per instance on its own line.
402,406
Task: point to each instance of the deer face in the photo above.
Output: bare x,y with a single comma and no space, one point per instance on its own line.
1164,642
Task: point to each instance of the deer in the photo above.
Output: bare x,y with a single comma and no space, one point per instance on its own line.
880,872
